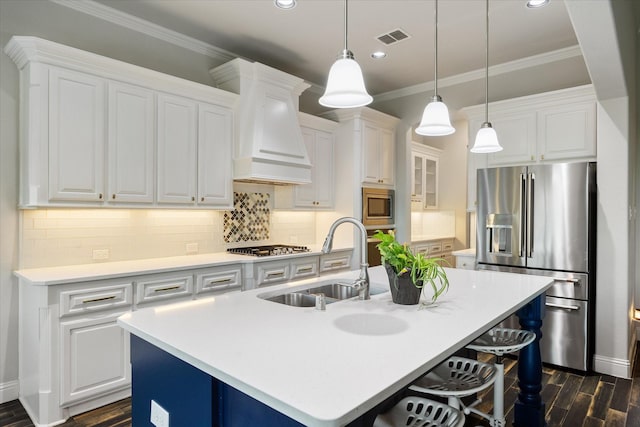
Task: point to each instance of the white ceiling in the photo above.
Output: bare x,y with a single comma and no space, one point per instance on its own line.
305,41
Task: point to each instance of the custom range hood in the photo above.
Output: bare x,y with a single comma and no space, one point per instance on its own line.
268,145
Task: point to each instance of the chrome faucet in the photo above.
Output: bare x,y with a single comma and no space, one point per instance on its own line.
361,284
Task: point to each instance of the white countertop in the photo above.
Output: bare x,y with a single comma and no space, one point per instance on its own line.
326,368
109,270
465,252
427,237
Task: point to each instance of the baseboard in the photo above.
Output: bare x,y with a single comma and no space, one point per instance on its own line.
611,366
9,391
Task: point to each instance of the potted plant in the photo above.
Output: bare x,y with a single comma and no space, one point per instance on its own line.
409,273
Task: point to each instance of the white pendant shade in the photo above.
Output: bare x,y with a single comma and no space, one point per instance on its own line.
435,119
345,86
486,140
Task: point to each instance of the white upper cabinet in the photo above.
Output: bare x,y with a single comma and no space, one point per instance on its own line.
543,128
378,155
425,174
76,136
131,144
177,160
215,131
100,132
318,136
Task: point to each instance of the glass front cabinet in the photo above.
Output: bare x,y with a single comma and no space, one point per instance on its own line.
424,179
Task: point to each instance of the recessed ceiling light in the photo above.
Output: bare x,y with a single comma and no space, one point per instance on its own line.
285,4
537,3
378,55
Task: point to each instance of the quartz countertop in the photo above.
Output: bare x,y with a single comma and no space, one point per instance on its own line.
327,368
108,270
465,252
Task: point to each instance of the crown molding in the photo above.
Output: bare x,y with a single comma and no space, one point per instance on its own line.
495,70
145,27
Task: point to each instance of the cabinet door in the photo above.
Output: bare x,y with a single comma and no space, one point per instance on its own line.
176,150
322,173
517,135
76,136
214,156
387,157
95,358
431,182
567,132
131,143
417,177
371,154
305,194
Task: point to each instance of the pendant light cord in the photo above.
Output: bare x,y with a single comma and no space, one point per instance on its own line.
486,93
346,11
435,73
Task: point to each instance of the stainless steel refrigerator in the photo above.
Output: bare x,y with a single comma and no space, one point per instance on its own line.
541,220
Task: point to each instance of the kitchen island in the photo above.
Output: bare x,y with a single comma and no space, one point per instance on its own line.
239,359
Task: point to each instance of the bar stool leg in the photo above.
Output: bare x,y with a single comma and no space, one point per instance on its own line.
498,419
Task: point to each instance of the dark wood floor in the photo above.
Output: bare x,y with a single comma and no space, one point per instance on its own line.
571,399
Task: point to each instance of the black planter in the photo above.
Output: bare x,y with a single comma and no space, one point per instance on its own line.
403,291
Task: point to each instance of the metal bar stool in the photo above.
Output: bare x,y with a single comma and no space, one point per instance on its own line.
499,341
413,411
456,378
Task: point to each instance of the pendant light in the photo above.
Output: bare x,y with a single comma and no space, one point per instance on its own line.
486,138
435,119
345,84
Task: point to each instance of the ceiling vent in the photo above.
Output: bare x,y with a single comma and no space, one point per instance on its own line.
393,36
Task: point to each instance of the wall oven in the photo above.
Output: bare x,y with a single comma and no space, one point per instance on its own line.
378,207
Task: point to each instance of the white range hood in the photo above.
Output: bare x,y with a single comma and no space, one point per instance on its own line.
268,144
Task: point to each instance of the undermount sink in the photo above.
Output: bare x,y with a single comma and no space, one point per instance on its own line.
306,297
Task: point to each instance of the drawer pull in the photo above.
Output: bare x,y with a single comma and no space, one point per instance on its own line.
338,263
277,274
89,301
574,281
305,270
566,307
168,288
220,281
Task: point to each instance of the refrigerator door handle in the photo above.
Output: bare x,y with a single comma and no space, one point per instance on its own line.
530,194
565,307
521,231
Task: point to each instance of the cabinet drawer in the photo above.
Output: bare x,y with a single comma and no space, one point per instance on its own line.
219,280
163,287
95,298
304,268
335,262
268,273
447,246
434,249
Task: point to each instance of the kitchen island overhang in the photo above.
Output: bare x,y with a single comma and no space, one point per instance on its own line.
328,368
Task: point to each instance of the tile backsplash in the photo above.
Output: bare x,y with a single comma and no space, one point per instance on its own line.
250,219
56,237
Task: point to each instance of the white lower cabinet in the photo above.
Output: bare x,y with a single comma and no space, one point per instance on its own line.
95,357
437,248
272,272
218,279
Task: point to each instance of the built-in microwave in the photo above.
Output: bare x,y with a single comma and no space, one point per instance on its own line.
378,207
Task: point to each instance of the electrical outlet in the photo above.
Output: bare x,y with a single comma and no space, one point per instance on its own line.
100,254
191,248
159,415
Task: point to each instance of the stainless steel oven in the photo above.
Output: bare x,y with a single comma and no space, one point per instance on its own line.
378,207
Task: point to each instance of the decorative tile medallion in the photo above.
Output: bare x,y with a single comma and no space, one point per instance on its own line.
250,218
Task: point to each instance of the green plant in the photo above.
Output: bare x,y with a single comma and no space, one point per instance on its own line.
422,270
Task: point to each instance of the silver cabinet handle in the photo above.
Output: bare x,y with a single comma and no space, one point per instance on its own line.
276,274
89,301
337,263
305,270
220,281
565,307
168,288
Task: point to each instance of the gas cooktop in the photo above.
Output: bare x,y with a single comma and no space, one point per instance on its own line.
268,250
